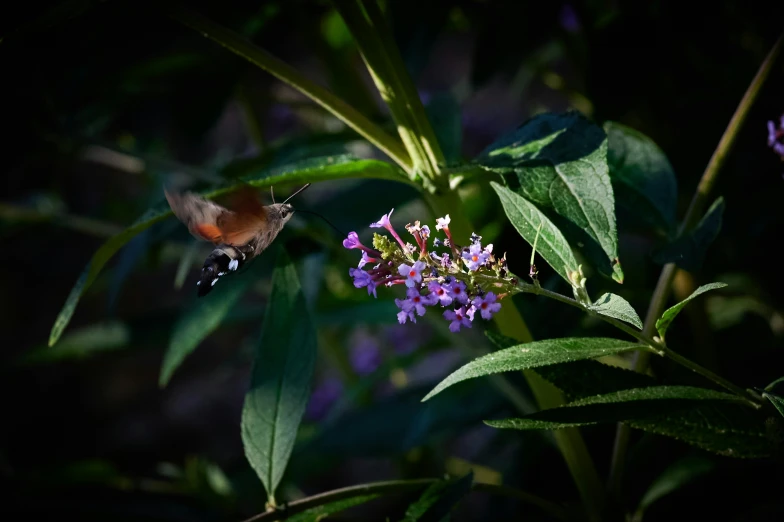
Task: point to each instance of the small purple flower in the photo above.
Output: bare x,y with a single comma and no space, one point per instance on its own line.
436,242
323,397
440,292
425,232
457,291
366,259
413,274
475,256
446,261
487,305
442,223
352,241
415,301
361,279
771,134
365,356
458,318
383,222
403,315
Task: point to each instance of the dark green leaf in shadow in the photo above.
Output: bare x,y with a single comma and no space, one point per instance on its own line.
669,315
617,307
438,500
724,428
280,379
82,344
634,403
775,400
642,177
205,314
313,170
677,475
688,251
534,354
526,219
559,162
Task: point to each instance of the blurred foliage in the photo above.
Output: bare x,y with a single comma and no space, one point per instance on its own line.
105,102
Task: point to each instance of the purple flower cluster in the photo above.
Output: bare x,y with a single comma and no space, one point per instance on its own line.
449,279
776,137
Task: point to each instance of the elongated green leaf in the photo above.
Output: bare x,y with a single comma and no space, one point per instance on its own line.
671,313
642,177
775,383
438,499
634,403
532,355
775,400
526,218
688,251
82,343
203,317
616,306
674,477
280,379
323,511
724,428
559,161
314,170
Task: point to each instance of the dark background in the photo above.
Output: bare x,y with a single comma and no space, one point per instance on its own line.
88,436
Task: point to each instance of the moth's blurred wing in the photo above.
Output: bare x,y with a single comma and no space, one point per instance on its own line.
198,214
247,219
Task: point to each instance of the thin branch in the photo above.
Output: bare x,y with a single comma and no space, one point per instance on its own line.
695,210
400,486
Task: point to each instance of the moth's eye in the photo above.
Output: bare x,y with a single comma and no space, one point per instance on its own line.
284,213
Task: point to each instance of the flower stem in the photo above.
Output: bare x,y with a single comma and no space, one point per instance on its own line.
339,108
402,486
695,210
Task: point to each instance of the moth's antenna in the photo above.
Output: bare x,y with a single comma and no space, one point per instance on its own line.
297,192
322,217
272,193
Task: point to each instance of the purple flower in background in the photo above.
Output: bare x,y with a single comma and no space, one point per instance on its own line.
365,354
458,318
568,19
403,341
775,136
323,397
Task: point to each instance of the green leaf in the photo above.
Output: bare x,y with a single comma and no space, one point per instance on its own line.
280,379
82,343
534,354
674,477
438,499
323,511
202,318
724,428
775,383
641,175
313,170
669,315
526,218
688,251
617,307
559,161
634,403
775,400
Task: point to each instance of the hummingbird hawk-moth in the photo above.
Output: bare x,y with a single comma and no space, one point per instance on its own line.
239,234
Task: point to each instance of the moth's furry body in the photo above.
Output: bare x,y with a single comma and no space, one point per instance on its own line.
238,235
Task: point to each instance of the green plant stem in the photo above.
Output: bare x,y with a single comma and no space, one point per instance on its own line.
287,74
401,486
511,323
649,344
366,23
696,208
